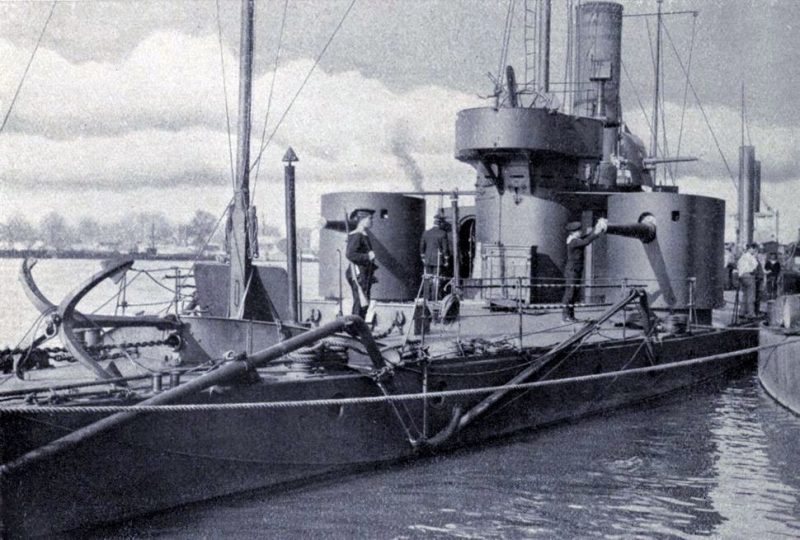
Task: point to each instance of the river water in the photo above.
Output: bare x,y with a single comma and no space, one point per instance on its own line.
713,462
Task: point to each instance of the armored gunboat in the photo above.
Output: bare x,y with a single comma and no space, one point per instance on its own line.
243,391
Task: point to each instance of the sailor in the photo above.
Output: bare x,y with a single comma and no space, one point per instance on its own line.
361,270
434,248
746,267
760,277
772,268
573,270
730,265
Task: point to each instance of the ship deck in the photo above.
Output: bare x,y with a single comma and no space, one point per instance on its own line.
478,326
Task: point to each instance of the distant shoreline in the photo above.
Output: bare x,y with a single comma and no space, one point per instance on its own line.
86,254
141,256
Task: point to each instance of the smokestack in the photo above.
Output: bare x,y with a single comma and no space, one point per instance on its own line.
598,46
746,203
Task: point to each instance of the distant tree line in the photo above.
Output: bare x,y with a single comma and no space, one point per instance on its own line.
142,228
137,230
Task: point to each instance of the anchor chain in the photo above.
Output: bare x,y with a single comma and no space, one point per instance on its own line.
61,354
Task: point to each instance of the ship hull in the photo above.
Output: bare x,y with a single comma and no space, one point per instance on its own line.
778,369
160,460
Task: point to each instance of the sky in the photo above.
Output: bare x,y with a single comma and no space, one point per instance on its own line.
124,105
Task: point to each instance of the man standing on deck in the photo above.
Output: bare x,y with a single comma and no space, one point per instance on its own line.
360,272
772,268
434,248
573,270
746,267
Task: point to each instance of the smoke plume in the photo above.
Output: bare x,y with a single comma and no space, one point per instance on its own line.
400,144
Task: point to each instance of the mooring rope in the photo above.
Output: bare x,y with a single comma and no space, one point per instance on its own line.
378,399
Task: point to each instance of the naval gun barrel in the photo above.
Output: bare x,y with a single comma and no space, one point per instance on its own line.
644,230
333,224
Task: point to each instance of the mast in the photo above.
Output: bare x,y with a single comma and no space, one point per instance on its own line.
544,48
291,233
240,256
654,144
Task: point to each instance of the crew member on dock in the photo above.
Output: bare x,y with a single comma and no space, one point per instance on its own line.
573,270
360,272
746,267
434,248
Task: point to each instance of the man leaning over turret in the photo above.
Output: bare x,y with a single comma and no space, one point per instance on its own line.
577,241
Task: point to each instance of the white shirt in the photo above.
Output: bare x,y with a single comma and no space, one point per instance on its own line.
747,263
573,236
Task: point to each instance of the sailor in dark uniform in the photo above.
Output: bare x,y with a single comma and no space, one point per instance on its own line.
573,270
434,248
361,270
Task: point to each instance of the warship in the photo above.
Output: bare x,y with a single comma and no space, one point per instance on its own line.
778,371
136,414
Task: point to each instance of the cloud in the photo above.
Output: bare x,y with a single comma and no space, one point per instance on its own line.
153,126
139,133
170,81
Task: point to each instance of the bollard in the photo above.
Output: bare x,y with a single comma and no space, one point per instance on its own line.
158,382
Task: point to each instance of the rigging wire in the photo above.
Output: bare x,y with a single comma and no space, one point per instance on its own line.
667,166
702,110
32,329
568,61
537,40
638,97
27,67
660,81
225,92
655,119
269,99
116,295
686,88
302,85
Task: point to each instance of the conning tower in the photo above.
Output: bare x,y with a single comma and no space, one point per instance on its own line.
523,157
538,168
527,157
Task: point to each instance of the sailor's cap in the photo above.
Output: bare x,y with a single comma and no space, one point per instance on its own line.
573,226
361,213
